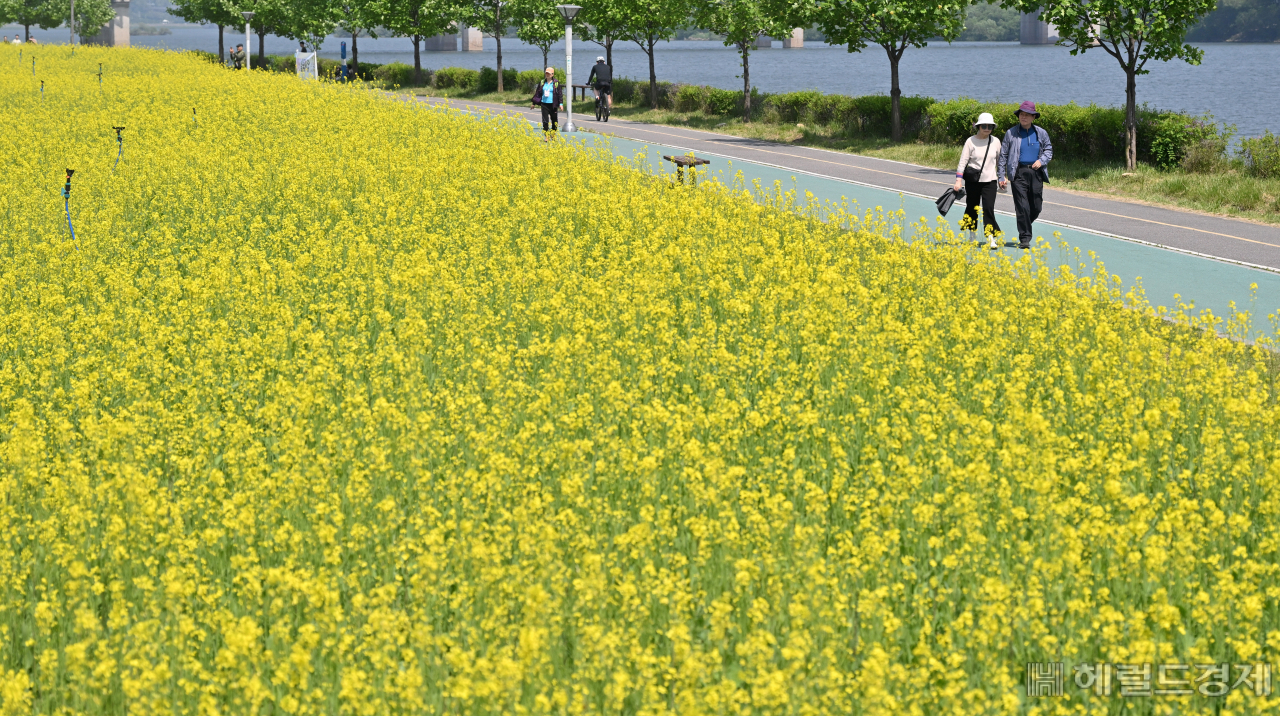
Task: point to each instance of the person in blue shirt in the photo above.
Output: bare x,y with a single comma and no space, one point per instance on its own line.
1024,159
549,95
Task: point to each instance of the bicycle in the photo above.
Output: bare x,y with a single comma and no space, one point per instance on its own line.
602,108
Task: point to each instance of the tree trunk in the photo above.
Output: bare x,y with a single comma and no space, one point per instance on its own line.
26,31
653,76
220,56
895,98
498,37
262,45
746,84
355,54
417,60
1131,119
545,50
608,53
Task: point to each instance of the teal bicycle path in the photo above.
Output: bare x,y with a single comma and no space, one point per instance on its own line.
1166,276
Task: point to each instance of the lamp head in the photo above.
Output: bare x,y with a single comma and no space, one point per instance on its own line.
568,12
247,15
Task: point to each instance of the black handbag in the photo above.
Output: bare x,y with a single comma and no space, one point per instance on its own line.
976,176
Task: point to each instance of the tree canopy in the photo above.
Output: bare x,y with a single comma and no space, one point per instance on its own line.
1134,32
894,25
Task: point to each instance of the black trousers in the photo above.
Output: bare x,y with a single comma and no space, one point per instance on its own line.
552,114
984,191
1027,197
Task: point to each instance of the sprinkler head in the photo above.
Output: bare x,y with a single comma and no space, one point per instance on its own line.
66,189
118,131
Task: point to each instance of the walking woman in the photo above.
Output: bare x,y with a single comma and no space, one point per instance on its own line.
549,95
1024,163
977,173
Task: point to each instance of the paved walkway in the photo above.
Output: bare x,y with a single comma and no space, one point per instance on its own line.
1217,237
1176,256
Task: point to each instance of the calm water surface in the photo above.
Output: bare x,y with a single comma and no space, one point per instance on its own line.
1236,83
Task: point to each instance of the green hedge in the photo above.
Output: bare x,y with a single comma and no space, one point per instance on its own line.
526,81
457,78
396,74
855,115
1090,133
870,115
625,89
488,80
1261,155
709,100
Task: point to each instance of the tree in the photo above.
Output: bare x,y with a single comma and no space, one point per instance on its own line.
742,22
601,23
270,17
41,13
418,20
204,12
539,24
90,15
894,25
1132,31
311,20
359,17
493,18
648,22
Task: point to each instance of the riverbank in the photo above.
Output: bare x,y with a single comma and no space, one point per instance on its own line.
1229,191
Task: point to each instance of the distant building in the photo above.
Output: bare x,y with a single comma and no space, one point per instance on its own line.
1034,31
114,33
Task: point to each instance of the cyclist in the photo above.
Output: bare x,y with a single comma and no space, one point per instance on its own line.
603,81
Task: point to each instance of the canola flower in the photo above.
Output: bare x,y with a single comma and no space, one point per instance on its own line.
372,420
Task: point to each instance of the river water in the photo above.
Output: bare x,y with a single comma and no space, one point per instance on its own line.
1236,83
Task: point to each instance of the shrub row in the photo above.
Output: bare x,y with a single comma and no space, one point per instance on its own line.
487,80
868,116
1084,132
526,81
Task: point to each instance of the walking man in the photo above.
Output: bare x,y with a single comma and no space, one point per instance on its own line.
237,57
550,96
1024,158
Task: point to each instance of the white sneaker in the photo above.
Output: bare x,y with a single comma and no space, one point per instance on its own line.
993,244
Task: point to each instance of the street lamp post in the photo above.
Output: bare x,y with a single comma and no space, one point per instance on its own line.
568,12
248,44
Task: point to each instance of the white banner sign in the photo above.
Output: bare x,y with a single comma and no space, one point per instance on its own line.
308,65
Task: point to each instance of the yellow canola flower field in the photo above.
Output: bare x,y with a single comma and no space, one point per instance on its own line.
340,405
